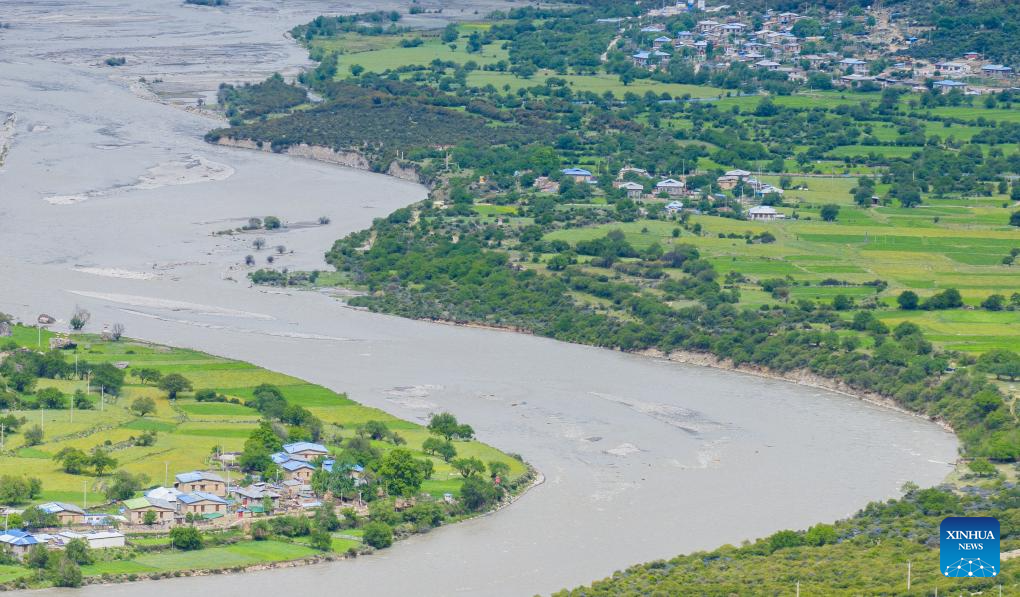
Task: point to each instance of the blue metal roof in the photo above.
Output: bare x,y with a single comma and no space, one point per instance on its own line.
576,172
303,446
198,496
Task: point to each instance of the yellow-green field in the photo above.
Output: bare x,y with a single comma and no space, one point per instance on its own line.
188,432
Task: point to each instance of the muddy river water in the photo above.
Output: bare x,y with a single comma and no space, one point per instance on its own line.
109,199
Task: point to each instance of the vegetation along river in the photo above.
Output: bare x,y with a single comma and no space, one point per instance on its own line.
109,199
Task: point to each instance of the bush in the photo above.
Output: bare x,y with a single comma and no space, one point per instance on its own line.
186,538
378,534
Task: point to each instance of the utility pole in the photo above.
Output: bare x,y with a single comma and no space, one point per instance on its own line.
84,495
102,398
908,576
72,408
42,418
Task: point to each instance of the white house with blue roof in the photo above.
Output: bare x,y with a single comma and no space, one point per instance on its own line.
579,174
200,503
203,481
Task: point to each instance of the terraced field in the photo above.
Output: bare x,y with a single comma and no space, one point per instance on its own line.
187,432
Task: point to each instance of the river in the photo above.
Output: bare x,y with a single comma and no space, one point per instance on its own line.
109,200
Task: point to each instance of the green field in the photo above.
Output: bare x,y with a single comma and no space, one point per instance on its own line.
188,432
943,244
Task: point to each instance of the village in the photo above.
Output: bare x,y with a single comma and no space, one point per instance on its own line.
792,46
204,499
668,193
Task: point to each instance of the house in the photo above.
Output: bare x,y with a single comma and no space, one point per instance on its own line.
641,58
308,450
633,189
200,503
653,29
67,514
95,539
253,495
767,64
166,494
658,42
727,183
952,68
674,207
578,174
19,542
856,65
670,187
996,70
135,509
947,85
300,470
200,481
639,171
763,213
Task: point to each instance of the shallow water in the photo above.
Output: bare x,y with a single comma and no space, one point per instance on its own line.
643,458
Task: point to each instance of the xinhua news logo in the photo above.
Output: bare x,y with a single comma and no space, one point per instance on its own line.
969,547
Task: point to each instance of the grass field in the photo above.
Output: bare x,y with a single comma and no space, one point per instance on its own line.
945,243
188,432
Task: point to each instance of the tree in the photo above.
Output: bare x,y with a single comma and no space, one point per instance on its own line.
908,300
498,469
34,436
73,460
469,467
174,384
994,302
450,34
378,534
320,540
123,485
478,494
66,572
830,212
143,405
117,331
79,318
18,490
146,375
357,69
51,398
401,472
37,557
101,461
1014,218
186,538
149,518
444,424
79,552
981,467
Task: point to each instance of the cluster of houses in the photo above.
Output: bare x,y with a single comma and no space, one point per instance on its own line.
195,497
774,47
674,190
203,496
82,525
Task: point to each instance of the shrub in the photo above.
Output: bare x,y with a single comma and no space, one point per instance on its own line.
378,534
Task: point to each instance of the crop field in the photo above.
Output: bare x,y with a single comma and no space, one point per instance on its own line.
187,431
943,244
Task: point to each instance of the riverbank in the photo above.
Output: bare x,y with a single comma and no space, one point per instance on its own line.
213,414
798,376
328,155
